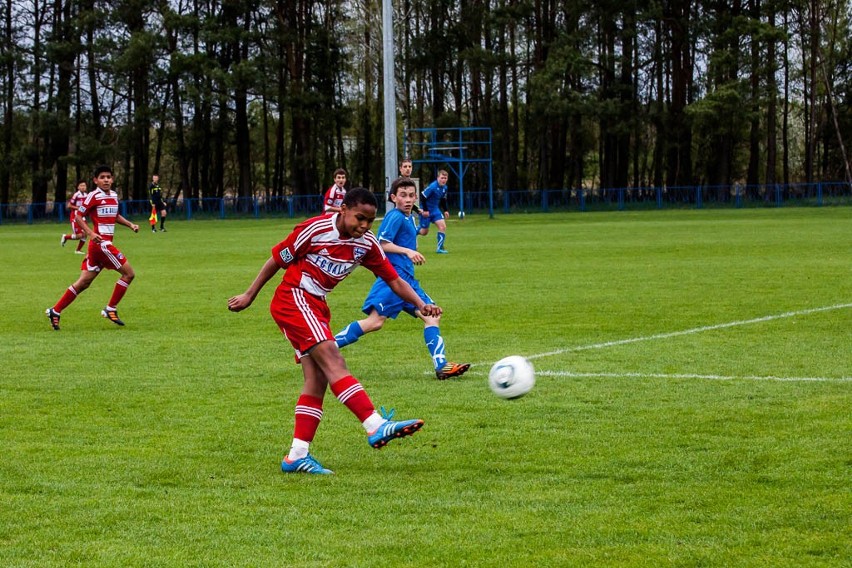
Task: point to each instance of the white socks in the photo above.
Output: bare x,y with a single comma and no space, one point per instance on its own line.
298,450
372,422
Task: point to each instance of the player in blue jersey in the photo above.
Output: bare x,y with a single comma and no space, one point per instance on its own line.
398,238
434,209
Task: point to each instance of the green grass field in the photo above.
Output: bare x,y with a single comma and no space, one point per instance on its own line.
692,406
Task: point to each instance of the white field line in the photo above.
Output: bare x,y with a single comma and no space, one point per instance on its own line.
678,334
690,376
690,331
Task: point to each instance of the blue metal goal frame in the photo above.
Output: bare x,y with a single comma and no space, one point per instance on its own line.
472,144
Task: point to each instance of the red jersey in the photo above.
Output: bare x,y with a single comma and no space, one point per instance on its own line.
76,201
316,258
101,210
333,197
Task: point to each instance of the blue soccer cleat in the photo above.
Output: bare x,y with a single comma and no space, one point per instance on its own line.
306,464
390,430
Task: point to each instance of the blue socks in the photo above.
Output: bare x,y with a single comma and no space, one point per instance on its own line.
435,344
441,237
349,334
431,335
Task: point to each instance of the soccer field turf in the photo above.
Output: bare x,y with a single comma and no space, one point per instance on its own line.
692,404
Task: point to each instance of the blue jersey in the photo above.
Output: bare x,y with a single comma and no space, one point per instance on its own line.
432,196
399,229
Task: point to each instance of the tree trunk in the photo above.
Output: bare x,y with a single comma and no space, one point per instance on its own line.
243,139
679,159
772,101
8,107
177,115
626,98
753,175
39,179
785,126
140,133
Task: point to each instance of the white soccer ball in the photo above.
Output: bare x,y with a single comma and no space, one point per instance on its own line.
511,377
461,214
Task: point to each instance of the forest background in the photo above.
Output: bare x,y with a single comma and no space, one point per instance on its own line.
256,97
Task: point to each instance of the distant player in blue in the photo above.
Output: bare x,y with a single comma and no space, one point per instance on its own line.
398,238
433,205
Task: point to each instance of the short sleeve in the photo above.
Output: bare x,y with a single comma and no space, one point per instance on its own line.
389,228
285,252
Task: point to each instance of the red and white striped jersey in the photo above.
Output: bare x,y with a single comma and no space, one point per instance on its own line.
316,258
76,201
101,210
333,197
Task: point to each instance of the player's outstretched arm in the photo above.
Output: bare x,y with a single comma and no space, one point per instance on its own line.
412,254
122,221
90,234
242,301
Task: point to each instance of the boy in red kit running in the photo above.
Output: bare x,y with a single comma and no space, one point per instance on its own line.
74,203
101,209
316,256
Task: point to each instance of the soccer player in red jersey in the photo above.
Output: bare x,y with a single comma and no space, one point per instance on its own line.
316,256
74,203
101,209
333,197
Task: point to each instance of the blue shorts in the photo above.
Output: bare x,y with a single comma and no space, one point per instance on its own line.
427,217
382,299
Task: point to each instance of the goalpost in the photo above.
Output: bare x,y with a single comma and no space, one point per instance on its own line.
457,148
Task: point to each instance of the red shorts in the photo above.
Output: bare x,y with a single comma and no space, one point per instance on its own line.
102,255
75,228
303,318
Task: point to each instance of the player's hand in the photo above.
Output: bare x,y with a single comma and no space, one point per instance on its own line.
134,227
239,303
416,257
446,214
431,310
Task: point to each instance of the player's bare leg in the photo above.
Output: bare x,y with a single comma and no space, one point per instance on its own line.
379,427
308,414
353,332
110,312
83,282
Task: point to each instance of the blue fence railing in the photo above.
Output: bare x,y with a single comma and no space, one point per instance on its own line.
541,200
692,197
203,208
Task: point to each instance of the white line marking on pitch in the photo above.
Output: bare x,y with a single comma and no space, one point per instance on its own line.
571,374
690,331
687,332
691,376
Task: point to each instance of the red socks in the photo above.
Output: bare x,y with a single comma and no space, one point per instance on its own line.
118,293
308,416
69,296
350,392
